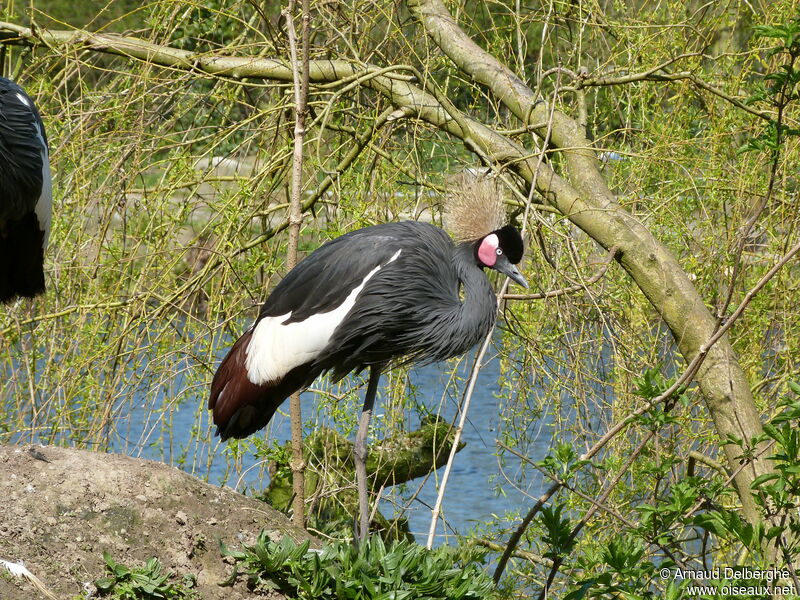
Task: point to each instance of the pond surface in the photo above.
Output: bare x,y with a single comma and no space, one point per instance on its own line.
471,489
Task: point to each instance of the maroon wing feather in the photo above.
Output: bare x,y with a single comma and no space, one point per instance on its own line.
241,407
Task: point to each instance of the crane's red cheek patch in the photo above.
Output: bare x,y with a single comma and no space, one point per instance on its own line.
487,251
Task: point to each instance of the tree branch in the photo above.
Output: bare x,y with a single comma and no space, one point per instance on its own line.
300,81
571,289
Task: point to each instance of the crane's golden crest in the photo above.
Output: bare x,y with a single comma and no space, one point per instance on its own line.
473,207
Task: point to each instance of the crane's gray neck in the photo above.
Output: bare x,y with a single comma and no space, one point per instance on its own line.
479,307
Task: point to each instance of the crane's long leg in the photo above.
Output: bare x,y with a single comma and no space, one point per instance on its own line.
360,452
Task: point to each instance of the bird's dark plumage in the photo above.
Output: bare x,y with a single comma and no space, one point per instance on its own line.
372,297
25,194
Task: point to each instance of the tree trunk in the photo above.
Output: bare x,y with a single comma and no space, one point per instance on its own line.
589,204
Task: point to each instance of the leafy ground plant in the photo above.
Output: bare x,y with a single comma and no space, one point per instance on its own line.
374,570
142,583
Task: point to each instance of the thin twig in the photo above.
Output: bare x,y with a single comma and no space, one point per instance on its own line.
571,289
295,221
747,228
523,554
517,535
464,409
653,75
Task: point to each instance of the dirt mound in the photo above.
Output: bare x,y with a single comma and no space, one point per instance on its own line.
63,507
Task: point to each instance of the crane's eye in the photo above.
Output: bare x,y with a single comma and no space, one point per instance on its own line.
499,251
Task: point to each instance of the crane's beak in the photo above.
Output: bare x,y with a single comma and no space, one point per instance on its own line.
504,266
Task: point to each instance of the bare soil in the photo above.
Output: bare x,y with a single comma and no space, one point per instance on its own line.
61,508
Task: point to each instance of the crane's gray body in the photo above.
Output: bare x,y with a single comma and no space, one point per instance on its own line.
375,296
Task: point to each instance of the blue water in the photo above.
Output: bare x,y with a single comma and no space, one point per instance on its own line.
471,494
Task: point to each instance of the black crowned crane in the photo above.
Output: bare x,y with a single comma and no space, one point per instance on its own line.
390,293
25,194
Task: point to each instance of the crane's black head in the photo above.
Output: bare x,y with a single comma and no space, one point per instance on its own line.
501,250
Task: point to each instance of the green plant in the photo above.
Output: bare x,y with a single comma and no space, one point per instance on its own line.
621,568
778,493
402,570
148,582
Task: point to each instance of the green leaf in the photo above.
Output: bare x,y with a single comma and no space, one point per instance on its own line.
761,479
581,592
105,583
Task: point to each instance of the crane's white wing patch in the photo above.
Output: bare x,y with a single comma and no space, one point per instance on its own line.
277,347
